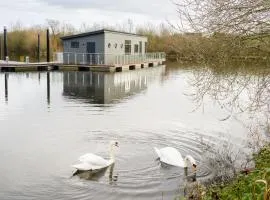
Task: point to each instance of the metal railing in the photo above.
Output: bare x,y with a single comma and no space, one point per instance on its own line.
106,59
83,58
139,58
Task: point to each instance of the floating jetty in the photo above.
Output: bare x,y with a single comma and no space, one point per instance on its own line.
88,62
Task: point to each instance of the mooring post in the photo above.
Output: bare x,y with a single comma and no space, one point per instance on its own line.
38,49
48,45
48,89
0,47
5,43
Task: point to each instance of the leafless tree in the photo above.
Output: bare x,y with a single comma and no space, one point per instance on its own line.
231,16
237,91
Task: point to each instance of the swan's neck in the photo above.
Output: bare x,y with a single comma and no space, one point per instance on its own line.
188,159
112,156
185,162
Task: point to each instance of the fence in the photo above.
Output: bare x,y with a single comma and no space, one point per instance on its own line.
107,59
138,58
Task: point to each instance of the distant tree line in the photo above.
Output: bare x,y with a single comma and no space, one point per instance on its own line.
23,41
198,44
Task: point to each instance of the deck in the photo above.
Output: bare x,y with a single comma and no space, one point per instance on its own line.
88,62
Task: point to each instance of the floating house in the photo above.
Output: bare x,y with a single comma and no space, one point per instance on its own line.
99,46
108,48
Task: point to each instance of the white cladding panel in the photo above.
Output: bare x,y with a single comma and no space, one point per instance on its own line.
115,44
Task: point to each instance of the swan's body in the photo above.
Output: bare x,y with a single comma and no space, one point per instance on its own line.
172,156
91,161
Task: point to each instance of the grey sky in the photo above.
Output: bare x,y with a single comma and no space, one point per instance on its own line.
76,12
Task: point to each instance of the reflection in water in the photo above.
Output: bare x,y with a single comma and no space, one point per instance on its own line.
6,87
39,77
28,76
48,89
191,186
159,117
237,92
192,177
104,88
96,175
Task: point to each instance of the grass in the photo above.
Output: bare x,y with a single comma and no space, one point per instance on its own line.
254,184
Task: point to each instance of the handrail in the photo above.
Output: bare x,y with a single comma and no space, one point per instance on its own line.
107,59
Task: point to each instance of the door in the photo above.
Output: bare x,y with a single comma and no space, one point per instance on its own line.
91,50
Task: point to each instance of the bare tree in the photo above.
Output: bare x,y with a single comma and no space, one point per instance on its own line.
130,24
237,91
54,25
233,16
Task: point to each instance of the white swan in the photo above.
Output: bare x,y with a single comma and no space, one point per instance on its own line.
91,161
172,156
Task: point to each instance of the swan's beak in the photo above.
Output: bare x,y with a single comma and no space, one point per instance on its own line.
194,167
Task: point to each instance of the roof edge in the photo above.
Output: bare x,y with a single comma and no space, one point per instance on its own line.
102,31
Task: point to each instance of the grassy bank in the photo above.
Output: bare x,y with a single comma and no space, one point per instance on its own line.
250,184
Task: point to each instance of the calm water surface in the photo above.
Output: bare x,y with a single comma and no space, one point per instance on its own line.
48,120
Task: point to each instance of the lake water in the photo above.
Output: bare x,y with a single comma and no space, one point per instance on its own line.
49,119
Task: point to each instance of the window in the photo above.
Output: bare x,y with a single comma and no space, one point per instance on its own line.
115,45
109,45
140,47
127,46
145,47
136,48
75,44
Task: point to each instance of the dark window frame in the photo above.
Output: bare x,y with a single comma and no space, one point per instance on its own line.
145,46
127,46
136,48
140,47
75,45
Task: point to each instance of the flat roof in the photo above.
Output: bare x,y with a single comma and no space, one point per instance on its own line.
102,31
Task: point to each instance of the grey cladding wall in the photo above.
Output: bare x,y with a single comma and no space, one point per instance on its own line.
81,59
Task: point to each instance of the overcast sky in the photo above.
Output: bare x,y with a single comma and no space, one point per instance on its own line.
76,12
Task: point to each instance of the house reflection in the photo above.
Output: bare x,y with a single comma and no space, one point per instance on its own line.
105,88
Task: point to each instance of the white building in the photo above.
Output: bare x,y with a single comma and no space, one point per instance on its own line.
102,47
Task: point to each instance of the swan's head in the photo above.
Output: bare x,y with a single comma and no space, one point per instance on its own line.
192,162
194,167
114,144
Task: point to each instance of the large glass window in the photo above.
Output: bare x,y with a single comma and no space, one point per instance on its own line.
75,44
127,46
145,47
136,48
140,47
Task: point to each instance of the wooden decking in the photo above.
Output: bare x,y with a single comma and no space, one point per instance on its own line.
89,62
20,66
44,66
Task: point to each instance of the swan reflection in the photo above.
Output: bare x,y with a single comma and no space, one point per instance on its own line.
96,175
192,177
